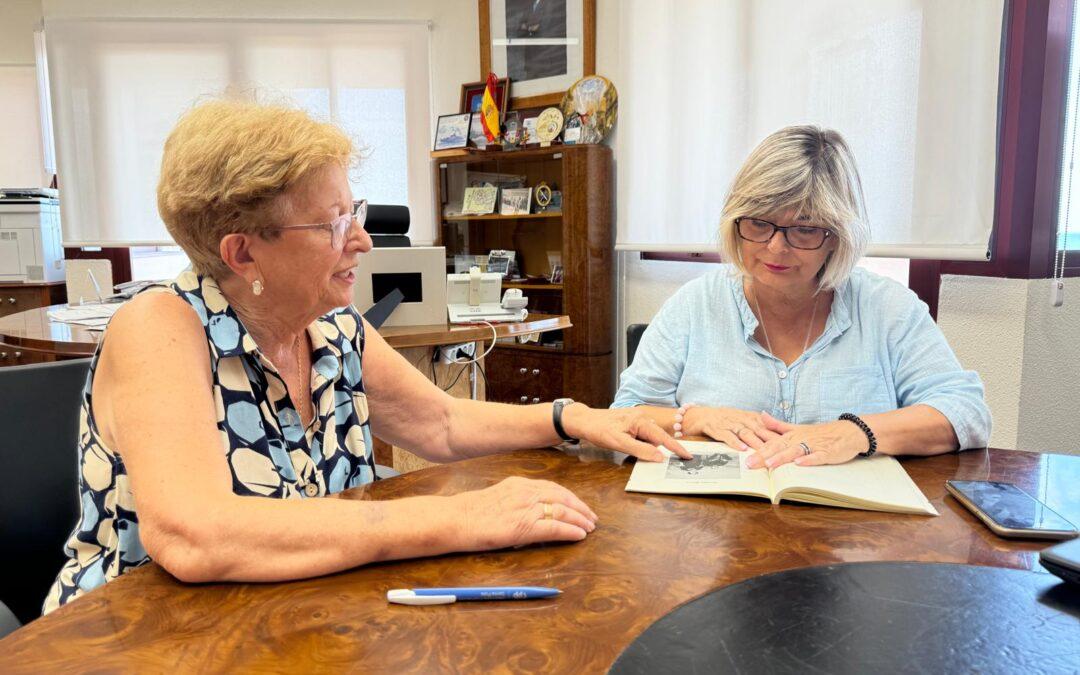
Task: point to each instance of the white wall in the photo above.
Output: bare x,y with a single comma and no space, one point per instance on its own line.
1025,351
21,163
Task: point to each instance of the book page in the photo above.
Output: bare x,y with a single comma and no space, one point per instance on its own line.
715,469
877,483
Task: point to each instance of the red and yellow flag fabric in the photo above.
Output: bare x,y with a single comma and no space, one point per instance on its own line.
489,111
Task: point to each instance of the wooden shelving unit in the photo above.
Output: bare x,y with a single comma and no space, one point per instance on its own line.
577,362
496,216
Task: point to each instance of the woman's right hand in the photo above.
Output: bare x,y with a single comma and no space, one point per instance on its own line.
520,511
738,428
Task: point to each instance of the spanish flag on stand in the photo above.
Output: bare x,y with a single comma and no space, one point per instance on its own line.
489,111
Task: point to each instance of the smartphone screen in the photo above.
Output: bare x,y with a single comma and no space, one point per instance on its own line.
1011,507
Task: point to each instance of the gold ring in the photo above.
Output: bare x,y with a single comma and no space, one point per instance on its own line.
549,511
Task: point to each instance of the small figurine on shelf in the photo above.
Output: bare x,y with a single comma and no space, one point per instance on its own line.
511,130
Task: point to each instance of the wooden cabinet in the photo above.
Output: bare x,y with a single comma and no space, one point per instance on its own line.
18,297
20,356
577,362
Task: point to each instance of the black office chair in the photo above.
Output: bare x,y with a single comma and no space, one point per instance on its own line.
387,224
633,336
39,505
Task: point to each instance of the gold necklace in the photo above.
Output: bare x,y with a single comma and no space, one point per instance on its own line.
806,343
300,379
761,320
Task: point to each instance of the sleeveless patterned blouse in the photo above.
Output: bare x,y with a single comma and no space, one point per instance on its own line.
269,452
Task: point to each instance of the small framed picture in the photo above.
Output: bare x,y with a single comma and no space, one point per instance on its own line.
476,132
556,274
528,131
473,93
452,132
480,201
501,261
515,201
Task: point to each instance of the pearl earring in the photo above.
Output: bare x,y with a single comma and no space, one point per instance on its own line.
257,287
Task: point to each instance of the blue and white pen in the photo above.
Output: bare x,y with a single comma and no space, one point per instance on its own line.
446,596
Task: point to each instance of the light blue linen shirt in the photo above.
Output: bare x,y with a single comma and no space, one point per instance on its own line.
880,351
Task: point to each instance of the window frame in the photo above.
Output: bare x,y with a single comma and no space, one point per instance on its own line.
1032,132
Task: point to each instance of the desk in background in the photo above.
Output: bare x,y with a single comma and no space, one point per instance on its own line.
649,554
37,338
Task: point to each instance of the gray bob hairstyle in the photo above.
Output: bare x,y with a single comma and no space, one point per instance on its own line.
808,170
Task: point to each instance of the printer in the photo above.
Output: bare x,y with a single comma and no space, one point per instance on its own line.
30,240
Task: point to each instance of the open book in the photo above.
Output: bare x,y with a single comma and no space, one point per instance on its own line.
877,483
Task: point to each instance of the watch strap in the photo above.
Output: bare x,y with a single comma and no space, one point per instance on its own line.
556,419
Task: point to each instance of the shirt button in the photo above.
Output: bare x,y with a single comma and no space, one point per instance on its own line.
311,490
782,374
784,405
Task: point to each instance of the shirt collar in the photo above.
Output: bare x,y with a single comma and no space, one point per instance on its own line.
224,329
229,337
839,315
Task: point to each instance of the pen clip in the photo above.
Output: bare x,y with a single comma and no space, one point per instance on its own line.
405,596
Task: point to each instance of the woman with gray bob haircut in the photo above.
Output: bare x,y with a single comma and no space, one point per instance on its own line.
789,349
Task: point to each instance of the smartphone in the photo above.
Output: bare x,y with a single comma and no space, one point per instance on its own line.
1009,511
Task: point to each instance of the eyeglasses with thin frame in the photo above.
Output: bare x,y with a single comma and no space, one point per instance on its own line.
338,227
803,237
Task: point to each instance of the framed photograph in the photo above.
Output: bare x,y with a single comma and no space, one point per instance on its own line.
515,201
528,131
544,46
480,201
556,274
476,132
501,261
452,131
473,93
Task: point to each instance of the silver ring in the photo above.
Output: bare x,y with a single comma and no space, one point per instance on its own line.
805,448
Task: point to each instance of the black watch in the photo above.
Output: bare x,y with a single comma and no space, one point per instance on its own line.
556,419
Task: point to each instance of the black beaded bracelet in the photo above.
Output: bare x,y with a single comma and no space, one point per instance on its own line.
854,419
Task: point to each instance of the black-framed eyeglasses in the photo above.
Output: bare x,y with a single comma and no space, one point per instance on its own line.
338,227
804,237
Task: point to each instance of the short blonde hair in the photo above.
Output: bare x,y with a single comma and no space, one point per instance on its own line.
226,165
808,170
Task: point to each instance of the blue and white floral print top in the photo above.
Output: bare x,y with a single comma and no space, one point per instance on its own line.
268,451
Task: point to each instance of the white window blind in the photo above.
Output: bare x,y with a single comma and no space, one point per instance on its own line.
21,163
118,87
911,84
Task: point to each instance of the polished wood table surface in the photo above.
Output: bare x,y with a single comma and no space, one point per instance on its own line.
33,329
649,554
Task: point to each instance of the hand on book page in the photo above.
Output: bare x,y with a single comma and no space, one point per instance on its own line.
833,442
876,484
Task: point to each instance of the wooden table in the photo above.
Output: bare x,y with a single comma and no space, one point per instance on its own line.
648,554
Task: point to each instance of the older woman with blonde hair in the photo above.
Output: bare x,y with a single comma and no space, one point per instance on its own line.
220,407
789,349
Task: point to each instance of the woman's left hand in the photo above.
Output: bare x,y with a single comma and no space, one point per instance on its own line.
623,429
830,443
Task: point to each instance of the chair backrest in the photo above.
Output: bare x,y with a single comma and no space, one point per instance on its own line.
633,336
388,225
39,505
